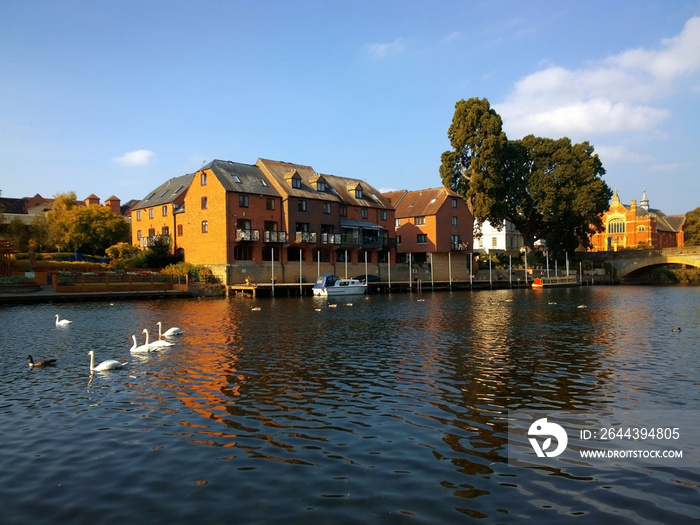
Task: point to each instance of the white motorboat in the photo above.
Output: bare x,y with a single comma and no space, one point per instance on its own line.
332,285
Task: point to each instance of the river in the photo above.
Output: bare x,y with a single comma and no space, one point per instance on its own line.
391,409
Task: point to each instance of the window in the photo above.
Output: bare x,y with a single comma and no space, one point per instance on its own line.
243,201
320,185
262,183
420,221
397,223
165,211
398,240
203,179
301,205
641,229
616,226
382,215
236,179
422,238
242,252
454,221
364,213
358,193
138,234
327,208
296,183
204,203
165,230
494,242
138,215
151,232
179,230
205,226
454,203
343,211
150,213
270,203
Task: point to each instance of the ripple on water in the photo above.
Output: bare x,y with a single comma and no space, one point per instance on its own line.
388,411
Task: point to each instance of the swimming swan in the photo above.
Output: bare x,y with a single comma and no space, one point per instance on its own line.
62,322
137,349
159,343
170,332
111,364
42,362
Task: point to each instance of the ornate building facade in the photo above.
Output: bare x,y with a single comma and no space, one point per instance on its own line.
638,227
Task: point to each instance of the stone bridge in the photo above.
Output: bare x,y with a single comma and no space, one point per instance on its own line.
628,262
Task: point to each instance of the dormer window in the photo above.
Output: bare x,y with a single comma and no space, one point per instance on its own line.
358,193
320,185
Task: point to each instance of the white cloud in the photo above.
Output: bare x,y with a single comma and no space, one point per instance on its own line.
139,157
617,94
383,50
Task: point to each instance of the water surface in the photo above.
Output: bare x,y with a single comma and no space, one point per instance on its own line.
388,410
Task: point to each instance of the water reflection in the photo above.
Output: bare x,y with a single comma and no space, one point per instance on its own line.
388,400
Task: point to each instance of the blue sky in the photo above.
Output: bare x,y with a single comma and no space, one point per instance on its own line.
115,97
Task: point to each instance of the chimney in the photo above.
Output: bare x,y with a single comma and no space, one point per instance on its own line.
114,204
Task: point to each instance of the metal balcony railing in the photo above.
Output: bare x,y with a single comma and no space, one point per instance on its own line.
247,235
306,237
275,236
331,238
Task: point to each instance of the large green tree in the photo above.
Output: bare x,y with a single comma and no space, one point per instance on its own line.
477,141
549,189
93,228
57,229
692,228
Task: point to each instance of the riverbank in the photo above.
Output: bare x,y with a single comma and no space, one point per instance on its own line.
46,293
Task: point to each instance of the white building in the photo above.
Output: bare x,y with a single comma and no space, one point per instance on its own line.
506,240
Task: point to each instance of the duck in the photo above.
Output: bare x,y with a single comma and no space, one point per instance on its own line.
42,362
676,329
170,332
62,322
110,364
333,305
158,343
255,308
582,306
139,349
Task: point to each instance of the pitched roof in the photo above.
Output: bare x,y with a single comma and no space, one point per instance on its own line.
166,193
338,189
419,203
241,178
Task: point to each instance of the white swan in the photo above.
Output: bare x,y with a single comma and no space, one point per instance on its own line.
111,364
42,362
62,322
158,343
138,349
170,332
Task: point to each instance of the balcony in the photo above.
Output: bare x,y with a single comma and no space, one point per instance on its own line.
147,242
459,246
305,237
331,238
275,236
247,235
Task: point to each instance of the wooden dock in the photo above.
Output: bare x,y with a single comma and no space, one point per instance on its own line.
305,289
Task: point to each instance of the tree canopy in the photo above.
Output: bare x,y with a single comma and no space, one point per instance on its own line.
549,189
692,228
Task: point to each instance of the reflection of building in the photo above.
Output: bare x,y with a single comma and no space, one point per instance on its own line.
638,227
433,226
507,240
